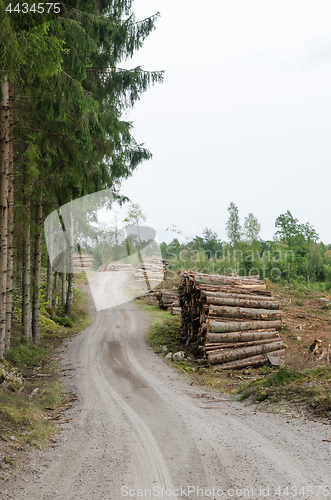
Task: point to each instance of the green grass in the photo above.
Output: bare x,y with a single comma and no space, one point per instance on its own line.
51,395
309,386
164,331
63,321
25,420
26,355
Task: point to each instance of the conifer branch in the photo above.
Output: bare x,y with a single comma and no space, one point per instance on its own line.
44,132
37,144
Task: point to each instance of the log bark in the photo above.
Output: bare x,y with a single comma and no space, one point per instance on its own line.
230,293
213,338
223,278
4,176
235,326
229,289
244,313
241,363
246,284
226,355
251,361
238,302
215,347
37,271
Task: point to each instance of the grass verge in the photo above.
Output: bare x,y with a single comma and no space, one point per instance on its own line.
28,418
311,386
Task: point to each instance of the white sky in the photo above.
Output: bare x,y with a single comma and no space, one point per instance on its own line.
244,114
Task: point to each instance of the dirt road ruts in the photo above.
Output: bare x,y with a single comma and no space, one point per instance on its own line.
139,425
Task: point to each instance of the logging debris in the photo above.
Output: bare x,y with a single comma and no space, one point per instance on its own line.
321,350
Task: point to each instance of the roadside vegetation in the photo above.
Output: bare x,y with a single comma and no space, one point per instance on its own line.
28,419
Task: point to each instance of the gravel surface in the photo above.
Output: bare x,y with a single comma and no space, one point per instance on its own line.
140,426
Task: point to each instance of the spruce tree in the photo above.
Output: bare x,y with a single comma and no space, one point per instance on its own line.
70,98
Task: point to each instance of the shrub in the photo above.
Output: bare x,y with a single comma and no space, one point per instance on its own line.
25,354
63,321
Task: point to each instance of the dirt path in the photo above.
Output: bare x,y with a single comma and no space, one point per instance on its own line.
139,425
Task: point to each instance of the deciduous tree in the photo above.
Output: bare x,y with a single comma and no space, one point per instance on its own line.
233,226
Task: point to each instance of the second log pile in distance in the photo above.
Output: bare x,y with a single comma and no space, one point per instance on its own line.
151,268
83,262
233,319
169,299
148,268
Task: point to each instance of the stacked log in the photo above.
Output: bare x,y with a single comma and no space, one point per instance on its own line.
151,267
116,266
83,262
168,298
234,320
175,310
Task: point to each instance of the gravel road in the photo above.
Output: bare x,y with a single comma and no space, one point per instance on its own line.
140,425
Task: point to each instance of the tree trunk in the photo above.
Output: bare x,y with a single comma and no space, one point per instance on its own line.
49,295
10,229
19,263
64,288
26,272
4,172
37,271
55,301
49,287
70,296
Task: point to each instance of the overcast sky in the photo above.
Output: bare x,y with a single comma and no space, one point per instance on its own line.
243,115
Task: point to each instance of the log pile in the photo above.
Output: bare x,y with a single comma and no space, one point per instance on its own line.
83,262
116,266
151,267
176,310
234,320
169,299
